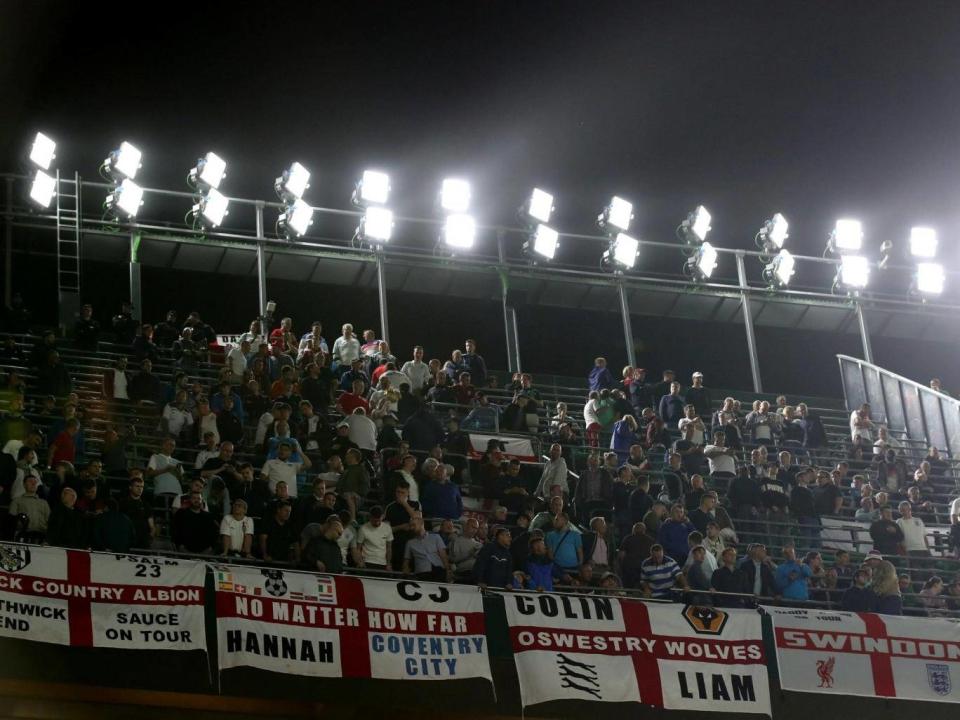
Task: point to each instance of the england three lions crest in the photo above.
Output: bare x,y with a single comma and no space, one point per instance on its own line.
938,678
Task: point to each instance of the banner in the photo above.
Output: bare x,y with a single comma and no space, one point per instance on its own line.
84,599
606,649
513,447
866,654
339,626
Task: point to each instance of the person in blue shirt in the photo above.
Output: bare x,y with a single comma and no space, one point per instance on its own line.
624,436
564,544
600,377
671,407
540,571
792,577
217,400
441,498
355,373
673,534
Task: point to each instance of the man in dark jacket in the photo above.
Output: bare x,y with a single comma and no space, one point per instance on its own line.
322,553
474,363
671,407
814,436
494,565
728,578
757,571
86,331
886,534
858,597
67,527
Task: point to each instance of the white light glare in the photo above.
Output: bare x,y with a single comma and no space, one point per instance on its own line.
459,231
211,169
854,271
930,278
455,196
298,217
700,223
706,258
214,206
374,187
624,250
297,180
43,189
848,235
777,228
620,213
541,205
126,160
545,241
377,224
783,267
923,242
43,151
128,197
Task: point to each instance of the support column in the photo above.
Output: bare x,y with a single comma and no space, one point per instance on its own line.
748,324
135,295
382,292
261,266
509,311
627,329
864,332
8,248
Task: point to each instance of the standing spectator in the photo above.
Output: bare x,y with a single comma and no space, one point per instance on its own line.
659,573
758,572
165,471
86,330
236,531
826,495
425,556
113,531
464,548
194,529
323,552
166,331
143,346
494,564
441,498
931,598
671,407
624,437
278,537
762,425
728,578
145,387
698,396
116,381
399,514
861,426
792,577
418,371
634,549
33,507
54,378
814,434
565,546
67,527
139,512
474,363
374,544
124,324
64,447
673,533
858,597
914,531
176,419
600,377
691,419
554,473
346,349
285,467
887,535
598,546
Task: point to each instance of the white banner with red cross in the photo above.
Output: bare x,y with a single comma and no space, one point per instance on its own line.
85,599
844,653
339,626
679,657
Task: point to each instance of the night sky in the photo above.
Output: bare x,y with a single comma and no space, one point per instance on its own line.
814,109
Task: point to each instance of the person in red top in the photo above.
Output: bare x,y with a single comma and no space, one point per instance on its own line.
64,447
350,401
278,335
465,390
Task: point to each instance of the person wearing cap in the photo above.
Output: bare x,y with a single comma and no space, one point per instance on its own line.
341,442
698,396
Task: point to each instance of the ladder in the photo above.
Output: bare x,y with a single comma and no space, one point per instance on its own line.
68,235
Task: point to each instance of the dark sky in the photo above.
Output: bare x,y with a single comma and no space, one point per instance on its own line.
817,108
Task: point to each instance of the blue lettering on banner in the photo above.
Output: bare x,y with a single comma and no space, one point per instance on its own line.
427,656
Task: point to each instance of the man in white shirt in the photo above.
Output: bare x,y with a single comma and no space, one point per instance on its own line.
254,336
884,441
334,470
165,471
861,426
236,531
914,531
120,380
237,360
206,419
346,348
720,457
208,450
690,418
417,371
554,473
374,543
363,430
176,418
283,468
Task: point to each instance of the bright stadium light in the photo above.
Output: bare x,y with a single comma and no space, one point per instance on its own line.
930,278
293,183
209,172
622,253
212,207
923,242
540,206
854,272
847,236
296,218
376,225
126,198
459,231
773,234
702,263
123,162
43,189
373,189
616,216
543,243
43,151
780,270
455,196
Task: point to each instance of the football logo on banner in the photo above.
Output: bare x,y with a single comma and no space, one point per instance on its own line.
938,677
705,620
14,558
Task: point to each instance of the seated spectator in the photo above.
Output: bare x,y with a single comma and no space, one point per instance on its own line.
193,529
892,473
886,589
931,597
494,564
659,574
858,597
441,498
484,416
34,508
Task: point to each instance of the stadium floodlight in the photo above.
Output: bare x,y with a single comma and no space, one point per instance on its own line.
376,225
212,207
854,272
126,198
373,189
296,218
930,278
124,161
543,243
43,151
847,236
209,172
702,263
622,253
455,196
779,271
43,189
773,234
695,228
923,242
540,205
616,216
293,183
459,231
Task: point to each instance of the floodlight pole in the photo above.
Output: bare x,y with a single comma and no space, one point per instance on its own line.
627,329
509,311
134,265
864,332
8,248
261,265
748,323
382,292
